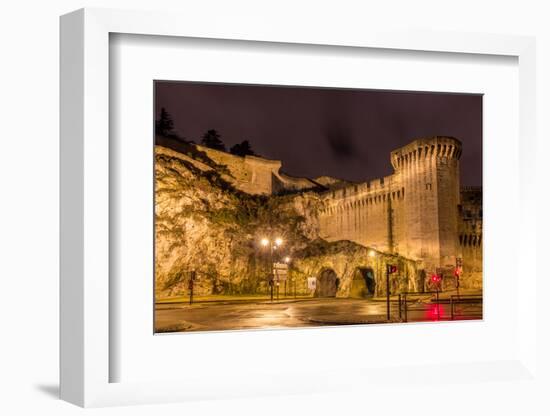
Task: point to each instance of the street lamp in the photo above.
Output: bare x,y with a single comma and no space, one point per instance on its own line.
272,244
287,260
372,253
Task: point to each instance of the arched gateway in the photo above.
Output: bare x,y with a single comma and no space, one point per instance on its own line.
327,284
363,284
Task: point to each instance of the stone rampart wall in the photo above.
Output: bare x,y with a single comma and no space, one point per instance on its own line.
413,212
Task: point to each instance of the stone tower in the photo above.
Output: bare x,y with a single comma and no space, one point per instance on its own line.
428,171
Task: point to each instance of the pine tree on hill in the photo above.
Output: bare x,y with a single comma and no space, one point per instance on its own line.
242,149
164,126
212,140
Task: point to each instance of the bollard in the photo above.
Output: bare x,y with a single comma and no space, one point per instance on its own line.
387,292
437,303
452,309
399,301
191,284
405,306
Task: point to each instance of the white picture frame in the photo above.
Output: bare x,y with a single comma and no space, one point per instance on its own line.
85,220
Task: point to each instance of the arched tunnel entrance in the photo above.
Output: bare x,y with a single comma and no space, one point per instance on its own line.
363,284
327,285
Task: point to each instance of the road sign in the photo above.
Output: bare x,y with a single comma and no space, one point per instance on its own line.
280,271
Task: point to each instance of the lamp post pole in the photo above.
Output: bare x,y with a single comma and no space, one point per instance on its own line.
271,277
387,292
390,269
272,245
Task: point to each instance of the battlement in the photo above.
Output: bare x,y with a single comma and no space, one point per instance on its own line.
424,148
413,212
392,186
366,193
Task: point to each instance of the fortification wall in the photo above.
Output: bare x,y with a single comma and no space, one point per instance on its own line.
284,183
417,212
250,174
256,175
413,212
429,172
363,213
470,237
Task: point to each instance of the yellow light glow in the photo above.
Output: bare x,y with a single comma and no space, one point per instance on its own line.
287,259
265,242
279,241
372,253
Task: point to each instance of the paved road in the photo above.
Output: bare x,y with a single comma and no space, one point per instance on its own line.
311,312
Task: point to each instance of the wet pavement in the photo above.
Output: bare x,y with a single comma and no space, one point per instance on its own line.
301,313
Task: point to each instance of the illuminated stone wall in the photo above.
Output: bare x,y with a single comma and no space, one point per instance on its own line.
419,212
345,258
470,236
413,213
256,175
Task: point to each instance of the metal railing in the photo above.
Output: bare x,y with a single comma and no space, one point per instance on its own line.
402,299
468,299
453,301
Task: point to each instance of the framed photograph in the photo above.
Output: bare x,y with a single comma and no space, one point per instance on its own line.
273,214
305,223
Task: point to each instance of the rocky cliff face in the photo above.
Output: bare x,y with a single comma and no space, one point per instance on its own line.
204,224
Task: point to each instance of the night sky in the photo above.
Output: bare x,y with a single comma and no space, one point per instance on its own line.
347,134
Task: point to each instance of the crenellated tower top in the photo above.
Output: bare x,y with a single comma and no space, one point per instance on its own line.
420,149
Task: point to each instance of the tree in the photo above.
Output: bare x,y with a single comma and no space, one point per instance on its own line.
212,140
164,126
242,149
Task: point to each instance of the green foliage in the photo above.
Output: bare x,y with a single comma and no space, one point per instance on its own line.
242,149
212,140
173,279
164,125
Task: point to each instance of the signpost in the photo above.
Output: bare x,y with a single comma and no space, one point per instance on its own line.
280,272
436,280
192,276
458,273
390,269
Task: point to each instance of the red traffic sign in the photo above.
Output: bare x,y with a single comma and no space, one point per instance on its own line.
392,268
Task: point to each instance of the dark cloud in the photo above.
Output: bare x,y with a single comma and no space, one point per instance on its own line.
340,141
341,144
